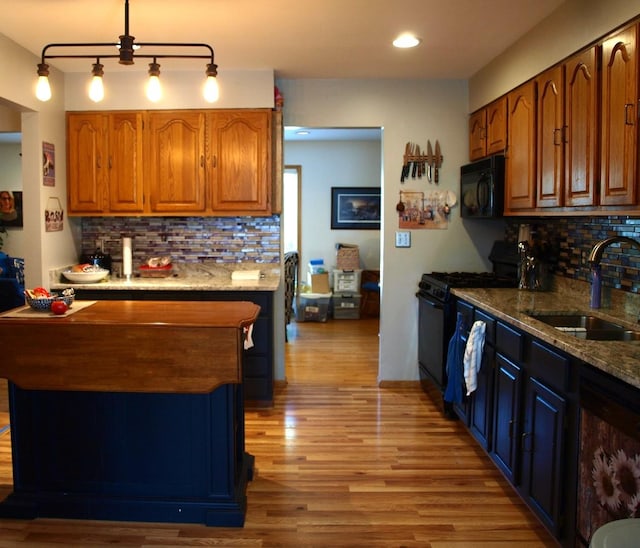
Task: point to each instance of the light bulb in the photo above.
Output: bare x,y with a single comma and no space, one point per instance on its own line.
43,89
154,89
211,90
96,89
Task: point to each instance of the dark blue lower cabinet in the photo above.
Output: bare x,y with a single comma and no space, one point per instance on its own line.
129,456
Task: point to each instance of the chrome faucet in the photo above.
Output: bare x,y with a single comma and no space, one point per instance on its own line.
595,256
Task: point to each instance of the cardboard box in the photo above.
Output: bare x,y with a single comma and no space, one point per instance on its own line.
319,282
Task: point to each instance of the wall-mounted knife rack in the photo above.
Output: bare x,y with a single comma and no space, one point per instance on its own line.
421,164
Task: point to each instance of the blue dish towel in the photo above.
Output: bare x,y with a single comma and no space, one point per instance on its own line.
455,372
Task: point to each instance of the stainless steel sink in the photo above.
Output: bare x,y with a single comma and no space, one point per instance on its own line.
585,321
586,326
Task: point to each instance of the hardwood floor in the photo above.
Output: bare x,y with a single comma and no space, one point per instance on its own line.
340,462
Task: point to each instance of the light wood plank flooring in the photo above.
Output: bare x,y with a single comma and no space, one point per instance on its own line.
340,462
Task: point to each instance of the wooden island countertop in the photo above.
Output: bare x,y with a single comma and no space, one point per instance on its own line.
128,346
128,411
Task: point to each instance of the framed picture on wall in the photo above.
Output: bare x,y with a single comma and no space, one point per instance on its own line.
355,208
11,208
48,164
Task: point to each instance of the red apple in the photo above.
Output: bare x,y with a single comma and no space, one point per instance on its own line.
59,307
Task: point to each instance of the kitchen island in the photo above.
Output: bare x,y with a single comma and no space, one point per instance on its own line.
128,410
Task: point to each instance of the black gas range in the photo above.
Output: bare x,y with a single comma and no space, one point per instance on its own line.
437,310
438,285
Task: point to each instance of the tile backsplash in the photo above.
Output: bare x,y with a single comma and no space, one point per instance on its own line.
567,242
186,239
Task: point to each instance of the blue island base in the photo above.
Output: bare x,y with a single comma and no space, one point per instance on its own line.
175,458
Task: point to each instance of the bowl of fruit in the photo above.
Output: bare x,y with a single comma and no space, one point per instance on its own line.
85,273
43,301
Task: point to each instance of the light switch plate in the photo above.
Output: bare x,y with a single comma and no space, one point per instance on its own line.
403,238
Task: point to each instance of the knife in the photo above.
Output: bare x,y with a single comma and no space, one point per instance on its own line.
438,162
417,166
429,159
405,165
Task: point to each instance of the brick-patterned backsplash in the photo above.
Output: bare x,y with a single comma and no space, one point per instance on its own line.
570,240
187,239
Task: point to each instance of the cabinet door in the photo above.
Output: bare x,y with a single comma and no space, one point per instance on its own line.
550,115
86,163
125,162
478,135
240,161
619,119
581,123
507,405
481,400
542,442
176,162
496,135
521,149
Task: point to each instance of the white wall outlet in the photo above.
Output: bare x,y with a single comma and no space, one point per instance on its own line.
403,238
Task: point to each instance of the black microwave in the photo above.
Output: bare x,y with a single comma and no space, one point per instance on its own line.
482,188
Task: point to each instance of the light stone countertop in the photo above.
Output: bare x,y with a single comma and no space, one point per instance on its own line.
185,277
621,359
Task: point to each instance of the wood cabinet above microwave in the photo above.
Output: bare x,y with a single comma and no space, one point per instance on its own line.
488,130
202,163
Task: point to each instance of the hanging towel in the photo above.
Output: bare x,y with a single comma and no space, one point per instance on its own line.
473,355
454,389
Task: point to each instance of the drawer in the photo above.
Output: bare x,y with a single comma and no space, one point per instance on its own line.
490,322
549,366
509,341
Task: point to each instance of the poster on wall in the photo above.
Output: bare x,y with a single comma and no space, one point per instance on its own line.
418,210
53,215
48,164
11,208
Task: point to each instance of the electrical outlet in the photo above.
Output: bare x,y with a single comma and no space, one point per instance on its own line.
403,239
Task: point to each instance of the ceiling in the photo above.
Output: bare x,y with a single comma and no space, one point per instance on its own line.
333,39
295,38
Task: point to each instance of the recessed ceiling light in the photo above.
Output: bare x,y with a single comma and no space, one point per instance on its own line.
302,132
406,41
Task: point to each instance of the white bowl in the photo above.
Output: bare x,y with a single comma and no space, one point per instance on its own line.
85,277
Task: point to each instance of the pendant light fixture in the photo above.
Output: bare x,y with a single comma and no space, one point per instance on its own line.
127,51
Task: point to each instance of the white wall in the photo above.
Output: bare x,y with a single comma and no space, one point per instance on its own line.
327,164
575,24
407,111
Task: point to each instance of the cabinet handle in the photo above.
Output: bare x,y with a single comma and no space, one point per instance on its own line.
523,442
628,121
202,160
99,161
110,162
214,161
557,136
565,134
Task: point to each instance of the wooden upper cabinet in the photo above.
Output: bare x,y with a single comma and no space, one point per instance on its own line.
105,163
581,126
176,161
488,130
477,135
86,160
550,138
619,152
240,157
125,163
520,184
497,126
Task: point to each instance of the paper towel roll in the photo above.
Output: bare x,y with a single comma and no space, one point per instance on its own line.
127,257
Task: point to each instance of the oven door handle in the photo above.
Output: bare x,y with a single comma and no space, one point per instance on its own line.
427,300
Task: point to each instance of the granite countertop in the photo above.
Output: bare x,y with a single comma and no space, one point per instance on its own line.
618,358
185,277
